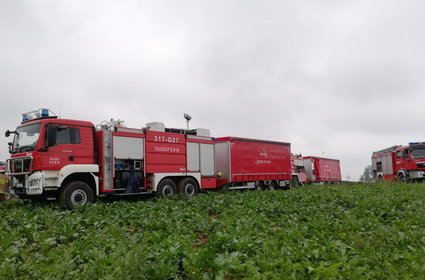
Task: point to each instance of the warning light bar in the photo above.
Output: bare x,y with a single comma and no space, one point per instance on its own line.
416,143
38,114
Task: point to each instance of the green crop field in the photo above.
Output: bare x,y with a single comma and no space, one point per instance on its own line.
363,231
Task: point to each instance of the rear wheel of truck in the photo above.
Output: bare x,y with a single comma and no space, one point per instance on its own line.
76,194
188,187
166,188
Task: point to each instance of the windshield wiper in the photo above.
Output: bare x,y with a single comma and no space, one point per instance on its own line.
26,148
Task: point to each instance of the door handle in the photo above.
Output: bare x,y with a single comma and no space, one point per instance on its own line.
71,158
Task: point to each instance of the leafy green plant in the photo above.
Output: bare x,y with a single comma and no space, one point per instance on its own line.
365,231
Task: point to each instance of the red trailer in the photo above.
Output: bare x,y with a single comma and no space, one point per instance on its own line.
322,170
251,163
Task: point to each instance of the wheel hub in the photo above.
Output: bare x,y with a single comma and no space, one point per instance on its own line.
167,191
190,189
78,197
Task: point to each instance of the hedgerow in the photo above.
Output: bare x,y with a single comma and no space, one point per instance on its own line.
363,231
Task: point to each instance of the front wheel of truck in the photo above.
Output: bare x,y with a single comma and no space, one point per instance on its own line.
76,194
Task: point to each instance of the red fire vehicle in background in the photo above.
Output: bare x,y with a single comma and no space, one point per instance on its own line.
315,170
400,163
74,161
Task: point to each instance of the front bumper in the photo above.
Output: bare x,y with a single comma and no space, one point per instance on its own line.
28,184
417,174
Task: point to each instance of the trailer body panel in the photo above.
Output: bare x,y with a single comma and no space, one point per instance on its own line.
244,160
320,170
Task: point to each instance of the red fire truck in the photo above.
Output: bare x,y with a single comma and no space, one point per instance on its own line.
316,169
400,163
74,161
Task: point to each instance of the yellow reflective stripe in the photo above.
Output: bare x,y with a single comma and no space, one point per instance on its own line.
4,181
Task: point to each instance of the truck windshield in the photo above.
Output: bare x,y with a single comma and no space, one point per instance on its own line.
417,153
26,138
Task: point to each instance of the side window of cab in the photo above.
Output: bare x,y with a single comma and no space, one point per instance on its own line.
62,134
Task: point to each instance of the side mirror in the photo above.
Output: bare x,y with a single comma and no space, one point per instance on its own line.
8,132
51,136
10,144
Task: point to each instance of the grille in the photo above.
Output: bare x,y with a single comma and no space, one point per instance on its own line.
18,166
421,164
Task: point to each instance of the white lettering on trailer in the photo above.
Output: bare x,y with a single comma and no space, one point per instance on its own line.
260,161
263,154
164,139
167,149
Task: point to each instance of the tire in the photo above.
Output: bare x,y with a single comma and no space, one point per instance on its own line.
402,178
295,182
260,186
8,196
188,187
166,188
273,186
76,193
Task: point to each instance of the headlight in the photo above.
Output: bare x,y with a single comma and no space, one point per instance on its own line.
34,182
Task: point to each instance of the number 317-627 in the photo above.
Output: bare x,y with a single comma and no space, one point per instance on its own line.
157,138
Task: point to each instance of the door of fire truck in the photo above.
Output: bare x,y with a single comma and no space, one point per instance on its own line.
60,146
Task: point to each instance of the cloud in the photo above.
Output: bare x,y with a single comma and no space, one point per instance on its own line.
334,78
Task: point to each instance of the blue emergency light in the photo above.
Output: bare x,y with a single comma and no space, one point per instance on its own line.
44,113
36,114
416,143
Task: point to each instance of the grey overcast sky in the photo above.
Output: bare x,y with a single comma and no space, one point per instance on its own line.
335,78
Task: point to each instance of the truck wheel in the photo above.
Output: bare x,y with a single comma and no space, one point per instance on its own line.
76,194
402,178
188,187
166,188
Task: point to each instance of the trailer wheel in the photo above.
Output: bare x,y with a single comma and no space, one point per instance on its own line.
188,187
76,193
260,186
166,188
295,182
273,186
